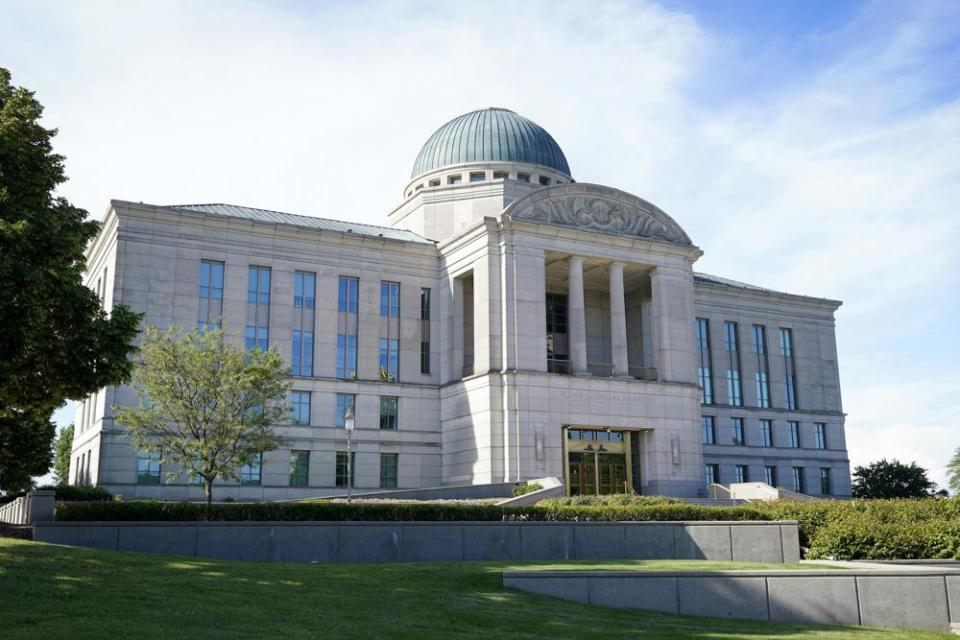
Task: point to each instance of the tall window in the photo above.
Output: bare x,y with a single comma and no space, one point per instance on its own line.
825,481
424,330
250,473
742,473
299,468
798,479
258,308
770,475
148,468
711,474
731,345
348,290
705,370
789,368
388,412
737,427
341,478
304,292
708,430
390,331
766,433
344,401
300,407
793,434
210,309
558,354
762,375
821,435
388,470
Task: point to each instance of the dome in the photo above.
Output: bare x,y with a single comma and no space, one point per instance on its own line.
490,135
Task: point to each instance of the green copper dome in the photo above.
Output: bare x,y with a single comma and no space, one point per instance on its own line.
490,135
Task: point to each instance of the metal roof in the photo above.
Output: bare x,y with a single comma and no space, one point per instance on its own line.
490,135
279,217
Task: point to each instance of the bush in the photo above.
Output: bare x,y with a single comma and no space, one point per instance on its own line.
72,493
612,499
526,487
393,512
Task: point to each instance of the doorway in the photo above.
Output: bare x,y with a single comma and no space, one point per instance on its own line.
597,461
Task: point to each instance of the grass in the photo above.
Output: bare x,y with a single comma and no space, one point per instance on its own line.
51,591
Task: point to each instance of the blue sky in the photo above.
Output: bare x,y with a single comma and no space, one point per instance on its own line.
806,146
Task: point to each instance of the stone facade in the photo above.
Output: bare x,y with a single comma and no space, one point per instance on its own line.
500,245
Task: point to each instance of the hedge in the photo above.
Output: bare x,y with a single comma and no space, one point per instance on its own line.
72,493
392,512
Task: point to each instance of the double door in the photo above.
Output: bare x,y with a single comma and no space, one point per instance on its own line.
595,473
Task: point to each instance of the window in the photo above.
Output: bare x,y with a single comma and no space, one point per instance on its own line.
500,175
825,481
424,330
457,179
731,345
711,474
793,434
738,435
211,295
344,401
304,292
708,431
347,322
798,479
148,468
705,370
558,357
250,473
477,176
544,180
523,177
299,468
762,375
341,478
770,475
766,433
300,407
434,183
821,435
258,308
388,412
742,473
388,470
789,368
389,331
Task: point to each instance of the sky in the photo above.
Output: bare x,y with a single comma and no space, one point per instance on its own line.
809,146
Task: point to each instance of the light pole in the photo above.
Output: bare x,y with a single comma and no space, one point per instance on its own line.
348,426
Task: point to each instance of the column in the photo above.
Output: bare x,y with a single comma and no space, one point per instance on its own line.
576,316
618,322
456,366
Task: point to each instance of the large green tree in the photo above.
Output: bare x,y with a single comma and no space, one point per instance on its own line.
953,473
56,340
892,479
207,406
61,455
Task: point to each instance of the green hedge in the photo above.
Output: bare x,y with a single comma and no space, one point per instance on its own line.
71,493
393,512
621,499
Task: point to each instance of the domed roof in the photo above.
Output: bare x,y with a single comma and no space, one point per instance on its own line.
490,135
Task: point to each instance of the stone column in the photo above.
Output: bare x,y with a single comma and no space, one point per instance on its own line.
618,322
457,352
576,316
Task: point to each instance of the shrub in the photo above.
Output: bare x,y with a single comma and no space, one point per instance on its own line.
611,499
73,493
526,487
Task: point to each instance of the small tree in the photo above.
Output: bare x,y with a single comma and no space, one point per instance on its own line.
884,480
61,455
206,405
953,472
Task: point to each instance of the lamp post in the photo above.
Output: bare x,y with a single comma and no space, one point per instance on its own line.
348,426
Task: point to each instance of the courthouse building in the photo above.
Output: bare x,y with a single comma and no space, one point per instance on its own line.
510,323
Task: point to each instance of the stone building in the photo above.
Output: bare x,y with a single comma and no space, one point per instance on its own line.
509,324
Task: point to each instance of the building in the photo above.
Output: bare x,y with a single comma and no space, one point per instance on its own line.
509,324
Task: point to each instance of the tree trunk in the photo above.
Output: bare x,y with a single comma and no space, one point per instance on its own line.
208,492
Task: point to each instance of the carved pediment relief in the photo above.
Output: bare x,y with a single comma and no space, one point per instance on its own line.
599,209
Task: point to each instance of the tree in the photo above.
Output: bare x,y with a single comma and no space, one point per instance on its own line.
206,405
953,472
883,479
61,455
56,340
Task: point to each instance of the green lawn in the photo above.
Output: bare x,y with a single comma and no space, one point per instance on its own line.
50,591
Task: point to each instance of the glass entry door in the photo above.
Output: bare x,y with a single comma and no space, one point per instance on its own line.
597,462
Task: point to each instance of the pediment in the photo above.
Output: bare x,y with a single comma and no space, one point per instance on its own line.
598,208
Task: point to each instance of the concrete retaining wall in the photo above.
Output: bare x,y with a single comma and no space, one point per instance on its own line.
33,507
916,599
415,541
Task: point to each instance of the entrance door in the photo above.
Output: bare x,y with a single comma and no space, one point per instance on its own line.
597,462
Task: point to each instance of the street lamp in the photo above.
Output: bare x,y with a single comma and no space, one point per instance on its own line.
348,425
